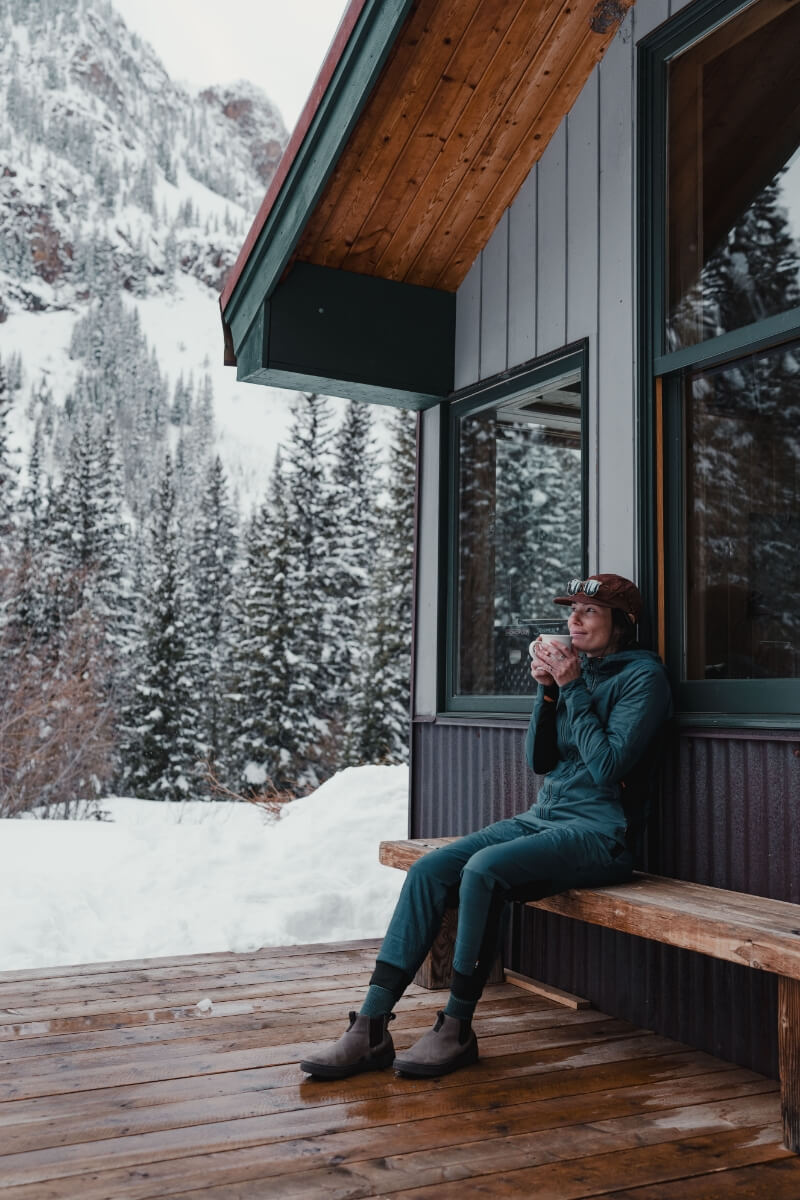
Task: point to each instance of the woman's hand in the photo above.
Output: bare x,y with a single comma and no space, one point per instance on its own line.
538,670
540,675
561,663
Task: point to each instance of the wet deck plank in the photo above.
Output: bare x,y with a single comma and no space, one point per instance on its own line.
114,1083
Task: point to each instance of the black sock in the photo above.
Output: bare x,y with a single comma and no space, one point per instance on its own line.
386,986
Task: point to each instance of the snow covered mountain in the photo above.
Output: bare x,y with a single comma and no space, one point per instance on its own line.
110,168
115,180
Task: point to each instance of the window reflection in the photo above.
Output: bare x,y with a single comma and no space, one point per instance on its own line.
743,518
519,531
733,254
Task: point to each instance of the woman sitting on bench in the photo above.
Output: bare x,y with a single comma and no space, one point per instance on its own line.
599,704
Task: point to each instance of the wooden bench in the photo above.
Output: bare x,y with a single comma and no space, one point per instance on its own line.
750,930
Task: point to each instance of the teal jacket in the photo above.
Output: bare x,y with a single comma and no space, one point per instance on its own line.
588,735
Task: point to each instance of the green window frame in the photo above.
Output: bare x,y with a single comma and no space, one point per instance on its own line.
487,395
730,703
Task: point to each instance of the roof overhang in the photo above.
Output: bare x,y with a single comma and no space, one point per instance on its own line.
424,122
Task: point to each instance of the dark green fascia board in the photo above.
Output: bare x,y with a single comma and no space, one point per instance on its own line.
514,707
776,723
485,718
753,699
486,392
358,68
692,22
509,708
749,339
354,336
368,393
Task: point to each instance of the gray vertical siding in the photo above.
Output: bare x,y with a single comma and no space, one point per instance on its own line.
551,239
522,272
426,592
582,200
468,328
615,517
583,265
494,302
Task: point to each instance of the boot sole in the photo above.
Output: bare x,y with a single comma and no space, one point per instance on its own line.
344,1071
468,1056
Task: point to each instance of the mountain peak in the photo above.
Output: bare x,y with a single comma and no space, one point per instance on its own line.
110,172
256,119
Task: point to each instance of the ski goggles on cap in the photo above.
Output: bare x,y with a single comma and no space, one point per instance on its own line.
609,591
587,587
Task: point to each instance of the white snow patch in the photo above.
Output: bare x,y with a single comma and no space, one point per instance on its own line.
168,879
693,1118
255,773
768,1136
173,196
186,330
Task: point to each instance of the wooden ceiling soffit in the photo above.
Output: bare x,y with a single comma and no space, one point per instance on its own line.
467,101
365,39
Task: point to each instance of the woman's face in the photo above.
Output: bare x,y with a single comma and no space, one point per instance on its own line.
590,628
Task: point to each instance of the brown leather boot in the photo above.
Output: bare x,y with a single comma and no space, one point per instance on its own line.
366,1045
450,1045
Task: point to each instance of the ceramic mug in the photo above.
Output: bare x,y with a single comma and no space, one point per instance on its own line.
560,639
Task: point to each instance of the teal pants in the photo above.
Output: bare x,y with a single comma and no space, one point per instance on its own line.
509,860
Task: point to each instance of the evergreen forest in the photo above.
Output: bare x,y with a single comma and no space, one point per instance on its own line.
159,639
173,624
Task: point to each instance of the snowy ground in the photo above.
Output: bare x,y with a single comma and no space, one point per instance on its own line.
167,879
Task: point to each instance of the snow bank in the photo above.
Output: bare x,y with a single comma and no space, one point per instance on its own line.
167,879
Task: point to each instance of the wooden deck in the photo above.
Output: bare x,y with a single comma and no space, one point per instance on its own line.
115,1084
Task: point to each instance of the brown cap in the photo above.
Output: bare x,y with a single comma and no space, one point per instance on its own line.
614,591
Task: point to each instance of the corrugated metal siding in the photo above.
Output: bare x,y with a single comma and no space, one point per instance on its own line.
719,822
733,821
465,776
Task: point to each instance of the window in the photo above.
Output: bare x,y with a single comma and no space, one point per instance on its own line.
742,504
733,175
721,261
517,521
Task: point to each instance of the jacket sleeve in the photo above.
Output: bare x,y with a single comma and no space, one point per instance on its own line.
610,752
541,741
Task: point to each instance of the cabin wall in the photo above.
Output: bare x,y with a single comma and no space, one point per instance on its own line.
560,267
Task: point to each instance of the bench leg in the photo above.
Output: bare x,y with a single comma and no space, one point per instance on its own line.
437,969
789,1059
